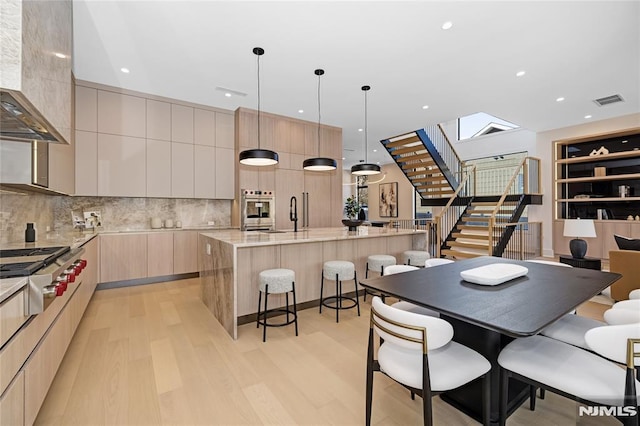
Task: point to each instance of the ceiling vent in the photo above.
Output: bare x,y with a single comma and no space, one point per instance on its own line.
609,100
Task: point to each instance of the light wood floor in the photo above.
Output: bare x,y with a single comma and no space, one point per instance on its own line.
153,355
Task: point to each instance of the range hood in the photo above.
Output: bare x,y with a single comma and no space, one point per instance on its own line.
19,121
24,167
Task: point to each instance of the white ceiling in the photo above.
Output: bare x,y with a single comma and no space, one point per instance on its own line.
579,50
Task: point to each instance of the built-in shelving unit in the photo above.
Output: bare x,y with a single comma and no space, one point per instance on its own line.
609,182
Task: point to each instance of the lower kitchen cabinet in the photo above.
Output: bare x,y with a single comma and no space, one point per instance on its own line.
159,254
185,252
12,402
123,257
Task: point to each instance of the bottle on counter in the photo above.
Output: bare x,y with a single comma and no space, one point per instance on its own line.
30,233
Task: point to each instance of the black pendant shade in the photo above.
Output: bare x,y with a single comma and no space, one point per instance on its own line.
258,157
319,164
364,168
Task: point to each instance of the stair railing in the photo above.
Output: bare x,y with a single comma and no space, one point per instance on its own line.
446,220
525,180
445,151
525,242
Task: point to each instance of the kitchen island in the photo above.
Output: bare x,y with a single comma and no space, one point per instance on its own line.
231,260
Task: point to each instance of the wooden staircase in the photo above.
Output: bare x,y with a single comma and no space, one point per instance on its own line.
422,165
470,237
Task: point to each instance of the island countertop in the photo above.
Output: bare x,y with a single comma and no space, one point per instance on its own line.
239,238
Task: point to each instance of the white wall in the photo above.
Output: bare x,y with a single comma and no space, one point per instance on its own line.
405,194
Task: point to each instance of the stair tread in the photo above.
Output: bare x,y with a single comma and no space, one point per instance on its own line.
460,254
423,156
463,244
434,185
411,137
408,149
479,228
458,235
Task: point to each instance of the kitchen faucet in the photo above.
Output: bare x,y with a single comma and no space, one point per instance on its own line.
293,213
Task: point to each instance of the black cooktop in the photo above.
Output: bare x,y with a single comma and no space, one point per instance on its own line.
26,261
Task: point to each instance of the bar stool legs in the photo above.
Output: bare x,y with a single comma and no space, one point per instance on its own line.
343,271
282,281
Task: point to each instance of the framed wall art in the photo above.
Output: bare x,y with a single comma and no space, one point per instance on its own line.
388,201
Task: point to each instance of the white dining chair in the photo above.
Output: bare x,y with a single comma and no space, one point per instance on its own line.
631,304
635,294
621,316
408,306
436,261
572,372
418,353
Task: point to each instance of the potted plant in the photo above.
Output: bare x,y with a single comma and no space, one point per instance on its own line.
351,209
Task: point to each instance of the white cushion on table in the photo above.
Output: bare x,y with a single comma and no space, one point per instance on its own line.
571,329
375,262
279,280
566,368
410,307
344,269
450,366
415,257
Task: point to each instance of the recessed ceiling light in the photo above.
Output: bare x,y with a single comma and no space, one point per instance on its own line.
228,95
425,106
447,25
375,150
587,116
125,70
60,55
520,73
359,130
300,111
560,99
343,158
378,163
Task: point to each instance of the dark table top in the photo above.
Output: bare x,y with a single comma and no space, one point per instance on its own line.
520,307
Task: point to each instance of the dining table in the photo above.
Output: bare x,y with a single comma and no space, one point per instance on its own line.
486,317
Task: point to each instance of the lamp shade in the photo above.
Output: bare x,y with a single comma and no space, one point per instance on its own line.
364,169
319,164
258,157
579,228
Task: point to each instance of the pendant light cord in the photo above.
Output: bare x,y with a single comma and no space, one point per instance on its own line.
366,128
258,101
319,114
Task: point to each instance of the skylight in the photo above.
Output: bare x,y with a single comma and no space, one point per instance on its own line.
480,124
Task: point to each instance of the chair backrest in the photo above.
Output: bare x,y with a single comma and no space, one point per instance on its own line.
624,262
621,316
396,269
409,330
436,261
633,304
612,341
549,262
635,294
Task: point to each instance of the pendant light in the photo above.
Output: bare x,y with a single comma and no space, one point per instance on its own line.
364,169
319,163
258,157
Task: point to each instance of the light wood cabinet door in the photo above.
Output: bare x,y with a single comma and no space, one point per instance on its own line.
12,315
181,123
158,168
12,402
185,252
318,185
120,114
225,173
121,166
123,257
86,160
204,129
289,183
204,171
182,170
86,109
159,254
158,120
225,132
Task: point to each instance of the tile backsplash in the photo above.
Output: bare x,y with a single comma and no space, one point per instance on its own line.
118,214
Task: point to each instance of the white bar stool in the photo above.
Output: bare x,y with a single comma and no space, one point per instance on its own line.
415,257
377,263
277,281
338,271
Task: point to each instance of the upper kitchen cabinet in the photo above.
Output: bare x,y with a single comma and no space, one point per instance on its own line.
120,114
204,129
121,166
158,120
36,41
224,130
87,112
181,123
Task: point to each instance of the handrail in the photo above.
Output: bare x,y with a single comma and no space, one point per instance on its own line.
449,142
523,168
457,191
